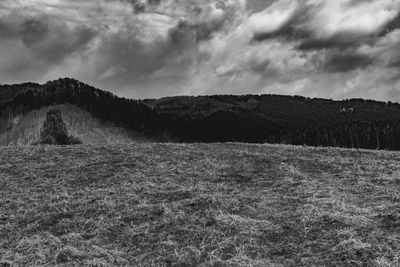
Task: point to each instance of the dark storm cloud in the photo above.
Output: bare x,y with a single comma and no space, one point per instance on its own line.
141,6
33,30
290,29
153,2
259,5
199,31
346,62
35,43
354,3
341,41
51,40
391,26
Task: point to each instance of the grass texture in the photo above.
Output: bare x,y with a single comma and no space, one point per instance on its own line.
198,205
81,124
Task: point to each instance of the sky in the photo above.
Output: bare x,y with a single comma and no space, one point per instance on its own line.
336,49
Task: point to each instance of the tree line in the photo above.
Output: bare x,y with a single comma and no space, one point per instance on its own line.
363,134
354,123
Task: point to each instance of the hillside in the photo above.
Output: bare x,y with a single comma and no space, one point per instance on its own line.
282,119
354,123
131,115
24,129
198,205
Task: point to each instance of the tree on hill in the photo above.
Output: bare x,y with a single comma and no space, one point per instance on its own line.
54,131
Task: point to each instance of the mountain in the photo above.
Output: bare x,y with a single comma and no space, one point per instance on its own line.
294,120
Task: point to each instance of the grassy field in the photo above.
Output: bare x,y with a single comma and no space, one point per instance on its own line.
198,205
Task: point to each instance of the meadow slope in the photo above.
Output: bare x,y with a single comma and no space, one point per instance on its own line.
198,205
25,129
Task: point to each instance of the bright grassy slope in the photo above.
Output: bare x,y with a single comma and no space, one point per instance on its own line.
80,124
199,204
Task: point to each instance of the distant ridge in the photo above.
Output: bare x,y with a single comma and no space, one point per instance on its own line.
354,123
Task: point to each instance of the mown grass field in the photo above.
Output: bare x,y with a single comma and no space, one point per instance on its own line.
198,205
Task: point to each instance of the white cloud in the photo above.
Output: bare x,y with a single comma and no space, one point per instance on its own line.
366,17
272,18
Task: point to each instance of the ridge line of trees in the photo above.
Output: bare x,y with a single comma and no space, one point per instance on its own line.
296,120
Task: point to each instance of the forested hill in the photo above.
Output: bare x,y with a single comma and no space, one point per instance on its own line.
127,113
249,118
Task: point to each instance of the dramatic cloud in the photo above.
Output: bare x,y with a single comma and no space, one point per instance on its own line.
154,48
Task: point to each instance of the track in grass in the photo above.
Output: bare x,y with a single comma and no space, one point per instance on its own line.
198,205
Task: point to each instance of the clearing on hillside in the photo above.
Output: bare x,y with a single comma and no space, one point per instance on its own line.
21,130
198,205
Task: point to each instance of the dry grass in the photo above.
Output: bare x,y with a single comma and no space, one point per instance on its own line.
80,124
198,205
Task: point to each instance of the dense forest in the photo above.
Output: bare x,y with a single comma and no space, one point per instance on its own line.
354,123
123,112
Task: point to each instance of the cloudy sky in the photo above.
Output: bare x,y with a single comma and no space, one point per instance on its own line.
153,48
